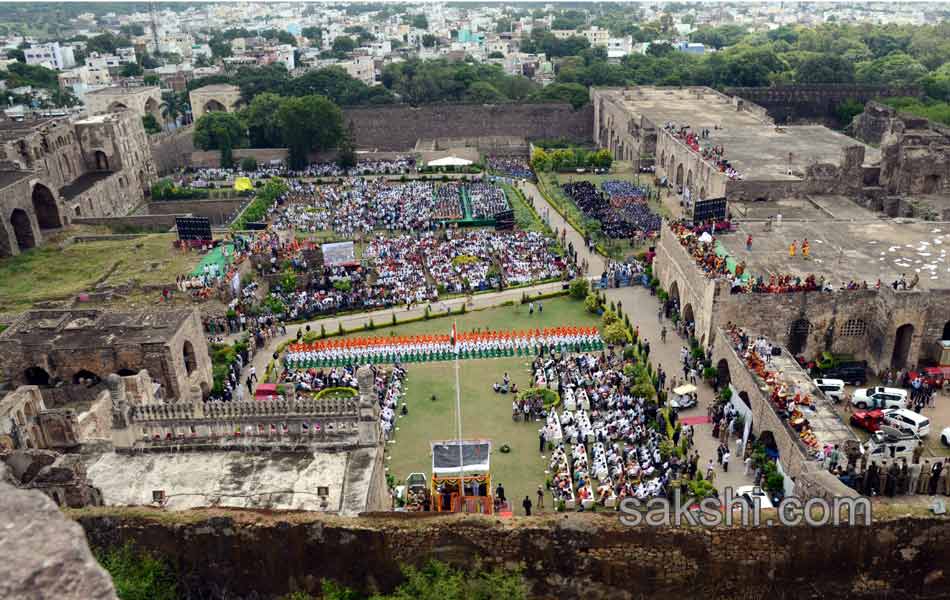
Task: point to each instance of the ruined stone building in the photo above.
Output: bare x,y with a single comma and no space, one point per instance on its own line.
889,328
52,170
914,175
294,453
638,124
141,101
69,353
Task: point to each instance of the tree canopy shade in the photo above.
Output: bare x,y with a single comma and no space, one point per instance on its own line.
337,85
574,93
219,131
433,81
824,68
261,119
107,43
343,44
309,123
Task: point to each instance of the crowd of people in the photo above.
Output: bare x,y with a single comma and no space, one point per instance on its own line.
448,201
629,220
486,200
696,141
512,166
606,445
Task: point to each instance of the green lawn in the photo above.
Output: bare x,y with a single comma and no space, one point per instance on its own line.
485,414
526,218
50,273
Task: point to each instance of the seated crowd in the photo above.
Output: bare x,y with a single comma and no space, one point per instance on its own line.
610,449
630,221
512,166
486,199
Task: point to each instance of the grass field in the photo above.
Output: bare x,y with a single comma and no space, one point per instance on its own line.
48,273
526,218
485,414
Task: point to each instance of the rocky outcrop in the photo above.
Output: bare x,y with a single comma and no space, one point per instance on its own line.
45,554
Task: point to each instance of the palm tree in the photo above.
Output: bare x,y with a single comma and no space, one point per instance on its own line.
172,107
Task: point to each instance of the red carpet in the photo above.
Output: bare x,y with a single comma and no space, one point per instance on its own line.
694,420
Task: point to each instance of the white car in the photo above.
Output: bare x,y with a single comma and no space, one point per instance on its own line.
833,388
751,493
945,436
879,397
907,421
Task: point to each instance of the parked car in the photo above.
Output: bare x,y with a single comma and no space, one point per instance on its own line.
853,373
751,493
945,436
833,388
879,397
868,420
907,421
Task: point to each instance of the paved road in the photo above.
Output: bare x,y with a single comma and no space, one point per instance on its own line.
557,222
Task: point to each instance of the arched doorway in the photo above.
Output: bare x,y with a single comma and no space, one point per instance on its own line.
675,292
44,205
22,229
679,175
117,107
125,372
188,353
102,161
702,193
151,107
798,336
36,376
85,377
931,184
902,342
214,106
689,179
723,377
688,314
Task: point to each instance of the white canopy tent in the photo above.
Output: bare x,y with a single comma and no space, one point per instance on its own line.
449,161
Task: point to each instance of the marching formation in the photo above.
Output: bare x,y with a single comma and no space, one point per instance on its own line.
425,348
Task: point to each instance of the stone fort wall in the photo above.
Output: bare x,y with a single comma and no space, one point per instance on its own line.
814,103
590,555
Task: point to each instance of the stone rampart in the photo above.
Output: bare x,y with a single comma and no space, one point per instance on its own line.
250,555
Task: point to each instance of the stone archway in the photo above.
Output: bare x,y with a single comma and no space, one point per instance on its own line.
679,175
44,205
688,316
214,106
151,108
22,229
902,342
689,179
723,376
117,107
798,336
188,354
86,377
102,161
36,376
702,193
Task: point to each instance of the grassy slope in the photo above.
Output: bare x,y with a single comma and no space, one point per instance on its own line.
48,272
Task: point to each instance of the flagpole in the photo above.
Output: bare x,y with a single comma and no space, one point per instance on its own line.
458,415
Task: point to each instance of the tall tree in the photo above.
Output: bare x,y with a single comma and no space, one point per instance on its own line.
309,123
219,131
261,118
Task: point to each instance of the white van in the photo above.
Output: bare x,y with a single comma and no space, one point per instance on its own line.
833,388
907,421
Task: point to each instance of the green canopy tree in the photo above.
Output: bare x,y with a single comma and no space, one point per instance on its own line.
485,93
309,123
219,131
894,69
824,68
261,118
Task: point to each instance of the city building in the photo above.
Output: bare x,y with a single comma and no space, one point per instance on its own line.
51,55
